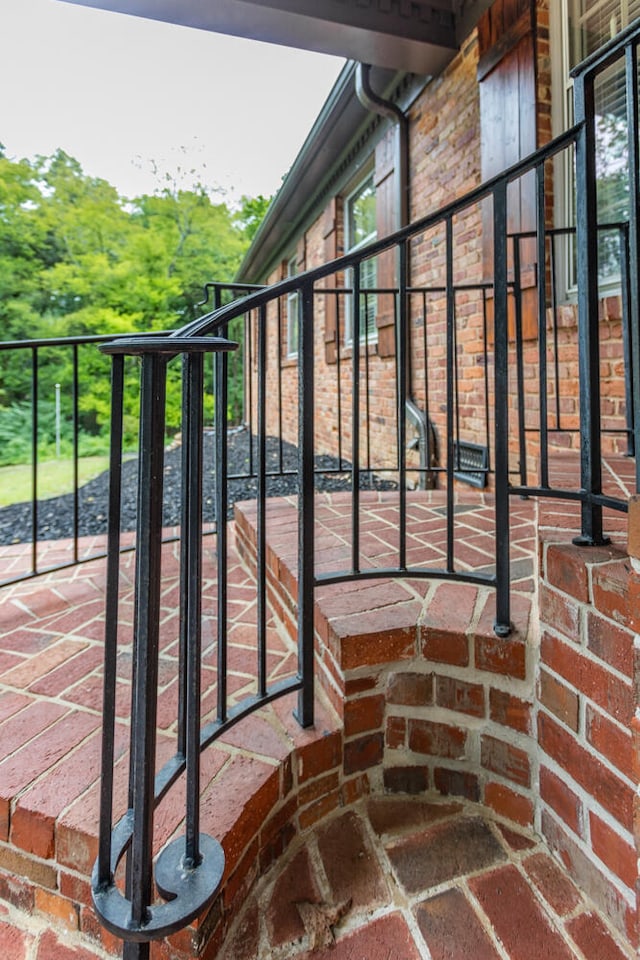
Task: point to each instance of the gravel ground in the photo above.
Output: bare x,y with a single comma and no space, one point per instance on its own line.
55,516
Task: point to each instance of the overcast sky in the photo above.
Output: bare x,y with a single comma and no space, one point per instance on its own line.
120,93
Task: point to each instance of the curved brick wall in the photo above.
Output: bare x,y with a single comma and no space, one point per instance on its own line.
538,726
587,716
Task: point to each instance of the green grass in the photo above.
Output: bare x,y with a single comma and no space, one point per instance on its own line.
55,477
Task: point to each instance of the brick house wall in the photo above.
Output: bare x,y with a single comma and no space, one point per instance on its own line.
447,127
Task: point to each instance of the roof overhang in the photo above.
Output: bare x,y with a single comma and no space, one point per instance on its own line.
419,36
339,125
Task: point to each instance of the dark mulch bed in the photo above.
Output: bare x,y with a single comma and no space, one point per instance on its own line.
55,516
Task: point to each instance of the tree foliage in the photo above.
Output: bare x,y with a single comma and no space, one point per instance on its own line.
78,259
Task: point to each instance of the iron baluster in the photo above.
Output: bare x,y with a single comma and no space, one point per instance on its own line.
355,420
402,380
34,459
76,483
451,397
556,346
261,532
306,513
222,502
485,360
338,301
542,325
627,337
367,383
519,347
502,625
280,359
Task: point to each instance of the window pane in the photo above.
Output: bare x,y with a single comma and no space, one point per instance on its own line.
362,215
593,23
360,229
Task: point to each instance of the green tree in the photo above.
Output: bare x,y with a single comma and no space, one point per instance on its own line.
78,259
251,214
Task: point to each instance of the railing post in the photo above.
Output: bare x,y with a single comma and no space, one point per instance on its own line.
191,581
188,870
111,623
502,625
519,348
306,506
588,346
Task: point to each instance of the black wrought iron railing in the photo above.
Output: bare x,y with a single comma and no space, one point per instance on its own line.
456,300
42,388
533,433
53,392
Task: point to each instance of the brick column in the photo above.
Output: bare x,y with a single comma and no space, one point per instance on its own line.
588,721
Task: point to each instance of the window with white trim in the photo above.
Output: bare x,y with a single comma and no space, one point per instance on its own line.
359,230
584,26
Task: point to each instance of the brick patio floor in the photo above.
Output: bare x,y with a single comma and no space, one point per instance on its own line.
403,879
389,879
437,879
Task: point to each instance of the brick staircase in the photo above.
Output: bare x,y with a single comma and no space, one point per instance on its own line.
416,696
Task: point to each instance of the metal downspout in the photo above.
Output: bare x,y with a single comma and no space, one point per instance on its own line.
386,108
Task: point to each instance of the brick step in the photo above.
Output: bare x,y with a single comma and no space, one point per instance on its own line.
416,695
262,781
430,697
51,841
540,727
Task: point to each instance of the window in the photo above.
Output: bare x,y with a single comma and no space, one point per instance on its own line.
293,307
360,229
585,26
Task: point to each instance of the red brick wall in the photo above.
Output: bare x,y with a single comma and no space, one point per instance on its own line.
445,163
437,135
587,709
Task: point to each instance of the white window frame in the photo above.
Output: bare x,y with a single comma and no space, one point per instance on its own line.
369,330
562,119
